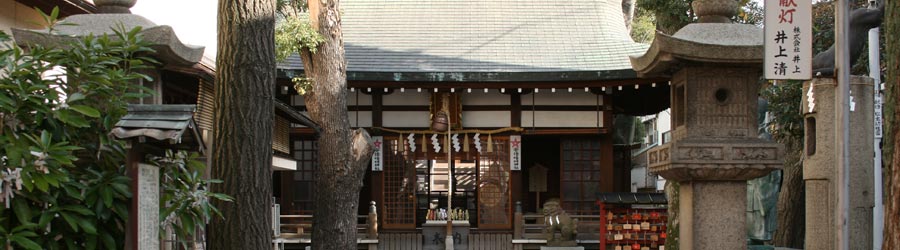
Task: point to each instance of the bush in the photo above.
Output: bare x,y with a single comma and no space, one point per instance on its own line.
63,182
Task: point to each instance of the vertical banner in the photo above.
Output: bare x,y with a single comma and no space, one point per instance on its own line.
377,161
515,152
788,39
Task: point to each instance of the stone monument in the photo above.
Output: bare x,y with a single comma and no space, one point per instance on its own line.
820,166
557,220
715,69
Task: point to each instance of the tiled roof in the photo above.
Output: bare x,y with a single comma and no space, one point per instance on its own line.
477,36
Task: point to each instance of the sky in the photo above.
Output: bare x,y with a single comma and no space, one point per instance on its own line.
194,21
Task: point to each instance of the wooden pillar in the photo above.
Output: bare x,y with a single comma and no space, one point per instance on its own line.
515,115
606,146
377,105
132,159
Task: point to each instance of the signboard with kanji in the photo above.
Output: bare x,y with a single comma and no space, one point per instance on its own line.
788,39
515,152
377,161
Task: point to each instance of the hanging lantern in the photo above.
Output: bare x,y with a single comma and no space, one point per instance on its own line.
439,122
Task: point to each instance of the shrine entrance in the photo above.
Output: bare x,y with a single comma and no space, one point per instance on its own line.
481,184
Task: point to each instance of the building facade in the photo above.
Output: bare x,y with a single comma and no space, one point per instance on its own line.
531,93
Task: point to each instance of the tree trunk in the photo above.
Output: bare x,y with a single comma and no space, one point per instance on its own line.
791,203
628,12
242,129
892,137
343,154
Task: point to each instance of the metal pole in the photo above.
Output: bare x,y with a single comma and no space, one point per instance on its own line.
875,74
842,117
448,240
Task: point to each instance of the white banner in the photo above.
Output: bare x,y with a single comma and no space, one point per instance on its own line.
377,161
788,39
879,133
515,152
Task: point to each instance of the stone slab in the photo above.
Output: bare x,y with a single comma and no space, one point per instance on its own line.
148,207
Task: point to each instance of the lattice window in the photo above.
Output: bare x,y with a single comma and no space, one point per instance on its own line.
400,185
301,188
580,175
493,187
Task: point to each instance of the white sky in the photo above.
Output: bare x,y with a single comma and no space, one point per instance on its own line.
194,21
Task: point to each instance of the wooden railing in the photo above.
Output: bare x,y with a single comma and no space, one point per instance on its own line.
528,229
296,228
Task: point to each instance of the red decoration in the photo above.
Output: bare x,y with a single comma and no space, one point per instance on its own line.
636,216
636,246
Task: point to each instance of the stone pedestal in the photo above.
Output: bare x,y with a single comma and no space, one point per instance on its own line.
820,166
434,235
709,210
714,70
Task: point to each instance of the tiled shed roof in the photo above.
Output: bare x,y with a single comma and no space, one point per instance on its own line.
585,38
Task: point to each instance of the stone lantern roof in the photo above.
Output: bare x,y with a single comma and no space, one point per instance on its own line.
112,14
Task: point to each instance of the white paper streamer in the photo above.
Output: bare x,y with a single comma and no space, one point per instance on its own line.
455,139
811,98
411,139
436,143
852,103
477,142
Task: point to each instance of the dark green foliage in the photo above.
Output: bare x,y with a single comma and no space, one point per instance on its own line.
786,125
184,204
73,191
670,15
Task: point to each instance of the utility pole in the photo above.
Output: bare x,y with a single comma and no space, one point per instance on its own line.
842,123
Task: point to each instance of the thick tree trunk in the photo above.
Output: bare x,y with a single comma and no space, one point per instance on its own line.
628,11
242,130
892,138
791,203
343,153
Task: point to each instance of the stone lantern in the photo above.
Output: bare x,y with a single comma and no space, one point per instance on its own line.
715,69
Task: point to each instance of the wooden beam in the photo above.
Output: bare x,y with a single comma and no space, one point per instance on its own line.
497,85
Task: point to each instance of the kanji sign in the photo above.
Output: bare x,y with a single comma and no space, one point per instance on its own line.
788,39
377,161
515,152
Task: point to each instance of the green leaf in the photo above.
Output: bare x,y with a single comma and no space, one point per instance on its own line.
91,242
25,242
86,110
46,217
121,188
75,97
78,209
41,184
108,241
5,100
87,225
107,196
70,117
70,220
21,209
